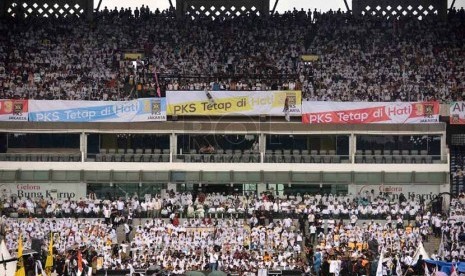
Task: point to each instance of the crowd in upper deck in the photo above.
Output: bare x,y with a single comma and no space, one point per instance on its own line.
358,58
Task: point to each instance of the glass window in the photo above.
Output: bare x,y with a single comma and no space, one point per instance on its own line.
429,143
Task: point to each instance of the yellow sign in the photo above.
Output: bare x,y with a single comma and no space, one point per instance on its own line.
133,56
309,58
217,103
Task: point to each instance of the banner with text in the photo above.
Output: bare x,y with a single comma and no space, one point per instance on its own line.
457,113
218,103
73,191
427,192
140,110
13,110
370,112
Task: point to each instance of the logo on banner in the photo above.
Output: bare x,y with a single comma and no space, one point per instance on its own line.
424,109
455,119
291,99
8,107
18,109
429,110
152,107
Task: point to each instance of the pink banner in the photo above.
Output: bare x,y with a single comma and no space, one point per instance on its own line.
370,112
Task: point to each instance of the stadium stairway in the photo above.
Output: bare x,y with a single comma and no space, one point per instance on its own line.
432,244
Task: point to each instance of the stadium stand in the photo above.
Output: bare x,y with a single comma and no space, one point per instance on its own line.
123,55
402,60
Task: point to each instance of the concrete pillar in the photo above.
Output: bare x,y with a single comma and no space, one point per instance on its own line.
171,186
261,187
83,146
352,147
262,146
356,7
173,147
442,9
89,9
265,8
3,8
180,8
444,149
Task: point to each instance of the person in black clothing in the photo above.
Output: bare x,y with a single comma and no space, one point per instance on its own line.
325,267
402,198
59,264
420,266
302,224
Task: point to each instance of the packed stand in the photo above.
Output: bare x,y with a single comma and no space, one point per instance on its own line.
78,60
229,245
373,59
215,205
353,248
293,232
451,229
358,59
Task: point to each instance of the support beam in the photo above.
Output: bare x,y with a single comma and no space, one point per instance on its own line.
274,6
98,6
347,5
452,4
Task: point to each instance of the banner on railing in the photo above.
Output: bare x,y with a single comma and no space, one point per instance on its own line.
73,191
457,113
219,103
13,110
140,110
369,112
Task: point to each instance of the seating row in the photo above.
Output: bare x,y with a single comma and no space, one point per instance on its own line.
107,157
41,157
134,151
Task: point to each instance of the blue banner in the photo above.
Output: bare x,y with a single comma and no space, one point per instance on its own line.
140,110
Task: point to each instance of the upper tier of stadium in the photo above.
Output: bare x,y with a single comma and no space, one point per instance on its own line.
353,58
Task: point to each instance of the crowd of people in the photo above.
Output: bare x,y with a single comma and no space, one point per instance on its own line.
354,58
367,205
289,232
452,232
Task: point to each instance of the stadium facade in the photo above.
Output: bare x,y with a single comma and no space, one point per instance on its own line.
258,154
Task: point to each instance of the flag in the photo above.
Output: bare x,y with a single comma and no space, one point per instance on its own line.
453,270
79,262
427,273
156,81
398,268
39,270
20,271
49,261
379,269
441,248
420,252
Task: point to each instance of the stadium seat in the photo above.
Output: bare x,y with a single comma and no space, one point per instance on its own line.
218,158
128,157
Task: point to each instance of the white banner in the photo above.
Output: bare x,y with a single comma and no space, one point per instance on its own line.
72,191
428,192
219,103
369,112
140,110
